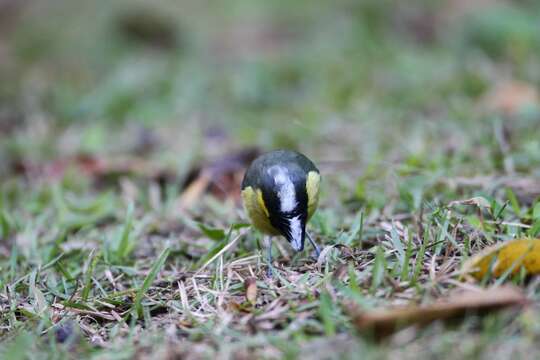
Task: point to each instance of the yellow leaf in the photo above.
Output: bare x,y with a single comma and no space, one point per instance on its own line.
509,256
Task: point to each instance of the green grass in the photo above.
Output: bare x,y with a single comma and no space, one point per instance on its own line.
107,110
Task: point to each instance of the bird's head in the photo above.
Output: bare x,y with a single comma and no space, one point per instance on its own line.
284,187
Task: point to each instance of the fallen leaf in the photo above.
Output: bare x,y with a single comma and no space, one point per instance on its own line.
194,191
221,178
251,289
384,322
509,256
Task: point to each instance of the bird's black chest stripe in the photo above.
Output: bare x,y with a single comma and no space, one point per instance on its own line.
280,219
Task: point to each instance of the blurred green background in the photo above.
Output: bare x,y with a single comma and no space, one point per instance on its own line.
346,80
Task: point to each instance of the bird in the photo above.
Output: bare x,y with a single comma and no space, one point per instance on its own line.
280,193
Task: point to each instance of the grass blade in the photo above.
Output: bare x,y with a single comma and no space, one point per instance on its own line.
356,230
325,311
89,271
405,263
124,246
396,241
379,269
148,281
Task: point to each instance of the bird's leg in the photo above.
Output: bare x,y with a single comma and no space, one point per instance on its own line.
315,246
267,241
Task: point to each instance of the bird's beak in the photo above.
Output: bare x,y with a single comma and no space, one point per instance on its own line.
296,232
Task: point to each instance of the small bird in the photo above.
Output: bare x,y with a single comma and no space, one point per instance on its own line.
280,192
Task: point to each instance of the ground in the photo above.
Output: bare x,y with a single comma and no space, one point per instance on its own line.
125,128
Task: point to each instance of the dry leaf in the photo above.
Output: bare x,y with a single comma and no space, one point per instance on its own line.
251,289
509,256
221,177
383,322
194,192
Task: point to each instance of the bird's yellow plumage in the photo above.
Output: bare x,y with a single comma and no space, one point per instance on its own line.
257,211
312,186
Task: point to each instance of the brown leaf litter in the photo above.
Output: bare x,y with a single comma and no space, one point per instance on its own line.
384,322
